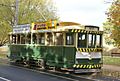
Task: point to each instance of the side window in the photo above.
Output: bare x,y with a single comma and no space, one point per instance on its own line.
34,39
58,39
69,39
17,38
41,38
49,39
28,38
82,40
13,39
22,39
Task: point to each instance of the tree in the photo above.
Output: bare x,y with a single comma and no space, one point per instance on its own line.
28,11
107,26
114,20
4,29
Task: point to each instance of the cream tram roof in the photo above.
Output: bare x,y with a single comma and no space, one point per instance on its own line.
51,26
61,27
65,28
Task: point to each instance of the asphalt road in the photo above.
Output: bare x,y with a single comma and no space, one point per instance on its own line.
13,73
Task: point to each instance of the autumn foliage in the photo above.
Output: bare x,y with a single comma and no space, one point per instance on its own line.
114,19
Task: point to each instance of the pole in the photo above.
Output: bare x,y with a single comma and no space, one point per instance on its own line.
16,13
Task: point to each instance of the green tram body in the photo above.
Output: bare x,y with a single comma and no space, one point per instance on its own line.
78,52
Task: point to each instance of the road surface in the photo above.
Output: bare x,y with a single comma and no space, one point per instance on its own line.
13,73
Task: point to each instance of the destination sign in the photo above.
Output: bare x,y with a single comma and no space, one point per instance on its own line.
38,26
21,28
44,25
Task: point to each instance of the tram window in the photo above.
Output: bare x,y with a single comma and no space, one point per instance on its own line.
69,39
14,39
49,39
28,39
91,42
34,39
98,41
18,39
42,39
22,39
82,40
59,39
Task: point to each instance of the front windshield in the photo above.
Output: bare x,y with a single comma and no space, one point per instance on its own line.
98,40
82,40
90,40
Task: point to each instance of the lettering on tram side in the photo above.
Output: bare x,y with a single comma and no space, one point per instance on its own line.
21,28
39,26
44,25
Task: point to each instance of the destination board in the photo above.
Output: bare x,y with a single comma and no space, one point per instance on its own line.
25,28
44,25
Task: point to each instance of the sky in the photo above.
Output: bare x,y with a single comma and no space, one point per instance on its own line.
85,12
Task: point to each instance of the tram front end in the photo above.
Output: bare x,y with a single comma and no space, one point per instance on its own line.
88,56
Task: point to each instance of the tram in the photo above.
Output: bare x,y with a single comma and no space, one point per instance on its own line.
61,45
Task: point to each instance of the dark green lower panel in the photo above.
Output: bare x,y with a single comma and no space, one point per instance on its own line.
59,56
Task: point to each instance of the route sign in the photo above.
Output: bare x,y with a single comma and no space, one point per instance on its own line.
25,28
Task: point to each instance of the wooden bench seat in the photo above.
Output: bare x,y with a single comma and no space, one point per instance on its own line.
115,54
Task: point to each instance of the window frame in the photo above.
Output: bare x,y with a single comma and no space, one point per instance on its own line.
71,41
93,40
83,43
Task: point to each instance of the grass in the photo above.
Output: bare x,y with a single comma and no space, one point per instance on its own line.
2,55
111,60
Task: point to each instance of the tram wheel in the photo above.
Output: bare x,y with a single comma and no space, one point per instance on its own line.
42,63
57,68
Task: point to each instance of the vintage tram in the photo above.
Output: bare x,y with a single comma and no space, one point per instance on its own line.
62,45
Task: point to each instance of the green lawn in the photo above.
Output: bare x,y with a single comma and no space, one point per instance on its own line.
111,60
3,56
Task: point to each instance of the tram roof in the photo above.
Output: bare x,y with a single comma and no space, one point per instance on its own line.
60,29
53,26
68,23
64,28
